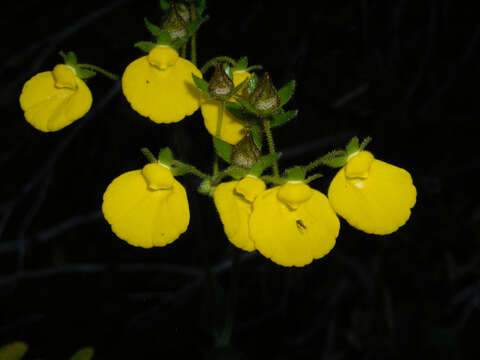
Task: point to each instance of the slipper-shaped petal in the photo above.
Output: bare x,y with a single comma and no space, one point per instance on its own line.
146,207
52,100
232,130
233,200
160,86
293,237
372,195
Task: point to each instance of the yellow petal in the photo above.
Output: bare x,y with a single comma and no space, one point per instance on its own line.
379,204
48,108
294,194
250,187
293,237
164,96
234,211
158,176
232,129
143,217
163,57
358,165
64,76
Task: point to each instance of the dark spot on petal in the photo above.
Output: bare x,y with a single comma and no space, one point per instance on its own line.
301,226
148,81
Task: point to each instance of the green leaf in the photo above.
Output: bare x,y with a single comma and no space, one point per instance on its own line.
223,149
13,351
165,156
164,5
335,159
282,118
241,64
85,73
352,145
257,135
246,105
234,109
83,354
202,85
296,173
154,29
286,92
252,83
180,170
237,172
201,5
228,70
69,58
238,87
148,154
164,38
146,46
263,163
364,143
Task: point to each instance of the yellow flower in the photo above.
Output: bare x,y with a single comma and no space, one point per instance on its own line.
371,195
147,207
293,224
160,85
232,130
54,99
234,204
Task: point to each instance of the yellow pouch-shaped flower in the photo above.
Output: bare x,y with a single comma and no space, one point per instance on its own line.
372,195
232,130
233,200
293,224
54,99
160,86
147,207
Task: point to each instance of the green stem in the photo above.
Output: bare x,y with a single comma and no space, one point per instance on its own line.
192,169
193,40
219,176
273,179
212,62
254,67
271,145
184,51
321,160
100,70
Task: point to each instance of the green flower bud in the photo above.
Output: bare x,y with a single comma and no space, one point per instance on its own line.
245,153
176,23
220,85
265,98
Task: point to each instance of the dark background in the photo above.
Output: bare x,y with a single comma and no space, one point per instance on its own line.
402,71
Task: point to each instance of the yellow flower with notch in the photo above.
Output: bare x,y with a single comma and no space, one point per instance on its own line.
159,85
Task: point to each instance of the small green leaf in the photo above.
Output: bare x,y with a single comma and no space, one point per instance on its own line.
148,154
164,5
286,92
164,38
257,135
165,156
283,118
252,83
237,172
201,6
364,143
335,159
202,85
296,173
69,58
84,73
223,149
263,163
180,170
228,70
13,351
246,105
83,354
352,145
238,87
154,29
146,46
241,64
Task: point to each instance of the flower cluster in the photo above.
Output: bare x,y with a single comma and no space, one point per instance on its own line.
277,214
